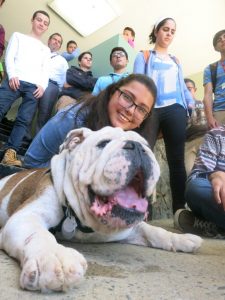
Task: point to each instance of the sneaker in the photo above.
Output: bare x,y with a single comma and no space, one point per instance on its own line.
10,158
186,221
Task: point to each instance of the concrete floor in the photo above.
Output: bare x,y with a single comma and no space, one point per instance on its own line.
127,272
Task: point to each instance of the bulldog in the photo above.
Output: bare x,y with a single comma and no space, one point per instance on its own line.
95,191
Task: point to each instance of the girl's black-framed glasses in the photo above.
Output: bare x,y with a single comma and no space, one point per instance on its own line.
126,101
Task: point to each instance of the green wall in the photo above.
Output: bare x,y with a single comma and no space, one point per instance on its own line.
101,64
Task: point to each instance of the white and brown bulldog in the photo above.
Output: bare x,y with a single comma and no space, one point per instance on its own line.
96,192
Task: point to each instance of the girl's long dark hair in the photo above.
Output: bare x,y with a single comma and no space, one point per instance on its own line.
96,107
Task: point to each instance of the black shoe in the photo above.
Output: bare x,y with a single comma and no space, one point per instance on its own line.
186,221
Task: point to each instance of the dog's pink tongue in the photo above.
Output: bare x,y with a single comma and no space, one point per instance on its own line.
128,198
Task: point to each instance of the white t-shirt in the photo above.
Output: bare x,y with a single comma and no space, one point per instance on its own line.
58,68
28,59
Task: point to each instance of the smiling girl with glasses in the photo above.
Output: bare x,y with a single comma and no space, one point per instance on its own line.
125,104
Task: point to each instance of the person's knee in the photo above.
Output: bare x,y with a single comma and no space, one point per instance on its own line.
24,122
198,191
64,101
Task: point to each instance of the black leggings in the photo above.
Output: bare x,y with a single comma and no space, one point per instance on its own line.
172,120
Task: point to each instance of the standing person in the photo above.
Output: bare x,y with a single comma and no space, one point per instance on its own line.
214,83
126,104
72,51
2,46
2,40
197,127
2,34
118,60
27,66
129,35
79,81
57,77
173,100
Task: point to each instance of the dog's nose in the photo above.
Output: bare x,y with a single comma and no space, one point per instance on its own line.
132,145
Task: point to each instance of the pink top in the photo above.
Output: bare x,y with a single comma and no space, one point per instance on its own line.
131,43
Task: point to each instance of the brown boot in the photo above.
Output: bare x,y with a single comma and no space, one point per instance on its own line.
10,158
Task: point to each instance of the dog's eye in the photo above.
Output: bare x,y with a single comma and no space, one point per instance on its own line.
103,143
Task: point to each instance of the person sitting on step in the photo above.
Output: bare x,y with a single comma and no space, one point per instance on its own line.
205,189
118,60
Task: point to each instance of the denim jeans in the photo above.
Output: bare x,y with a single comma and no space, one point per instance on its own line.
199,197
25,112
48,140
46,104
172,121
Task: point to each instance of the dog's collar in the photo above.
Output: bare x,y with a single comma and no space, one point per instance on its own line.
68,211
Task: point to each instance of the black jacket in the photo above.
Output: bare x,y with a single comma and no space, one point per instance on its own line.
82,82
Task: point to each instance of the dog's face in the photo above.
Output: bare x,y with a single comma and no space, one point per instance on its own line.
108,174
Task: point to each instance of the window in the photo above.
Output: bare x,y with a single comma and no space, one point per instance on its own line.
86,16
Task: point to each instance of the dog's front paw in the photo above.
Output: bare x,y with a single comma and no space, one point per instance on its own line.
186,242
56,270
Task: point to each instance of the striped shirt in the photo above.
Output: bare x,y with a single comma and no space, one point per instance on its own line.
211,154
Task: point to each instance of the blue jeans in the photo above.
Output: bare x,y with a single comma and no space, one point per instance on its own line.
25,112
46,104
48,140
172,121
199,197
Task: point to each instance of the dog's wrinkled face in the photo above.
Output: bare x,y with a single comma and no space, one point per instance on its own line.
112,172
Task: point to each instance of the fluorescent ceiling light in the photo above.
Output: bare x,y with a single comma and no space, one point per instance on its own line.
86,16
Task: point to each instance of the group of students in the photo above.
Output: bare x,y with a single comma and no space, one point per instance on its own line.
154,99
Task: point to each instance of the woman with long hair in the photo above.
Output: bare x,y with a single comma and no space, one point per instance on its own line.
126,104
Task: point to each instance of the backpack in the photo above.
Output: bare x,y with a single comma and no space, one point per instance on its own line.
213,70
146,54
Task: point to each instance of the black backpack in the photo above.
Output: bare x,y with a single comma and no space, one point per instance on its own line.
213,69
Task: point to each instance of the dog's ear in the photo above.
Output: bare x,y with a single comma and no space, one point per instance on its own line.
75,137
